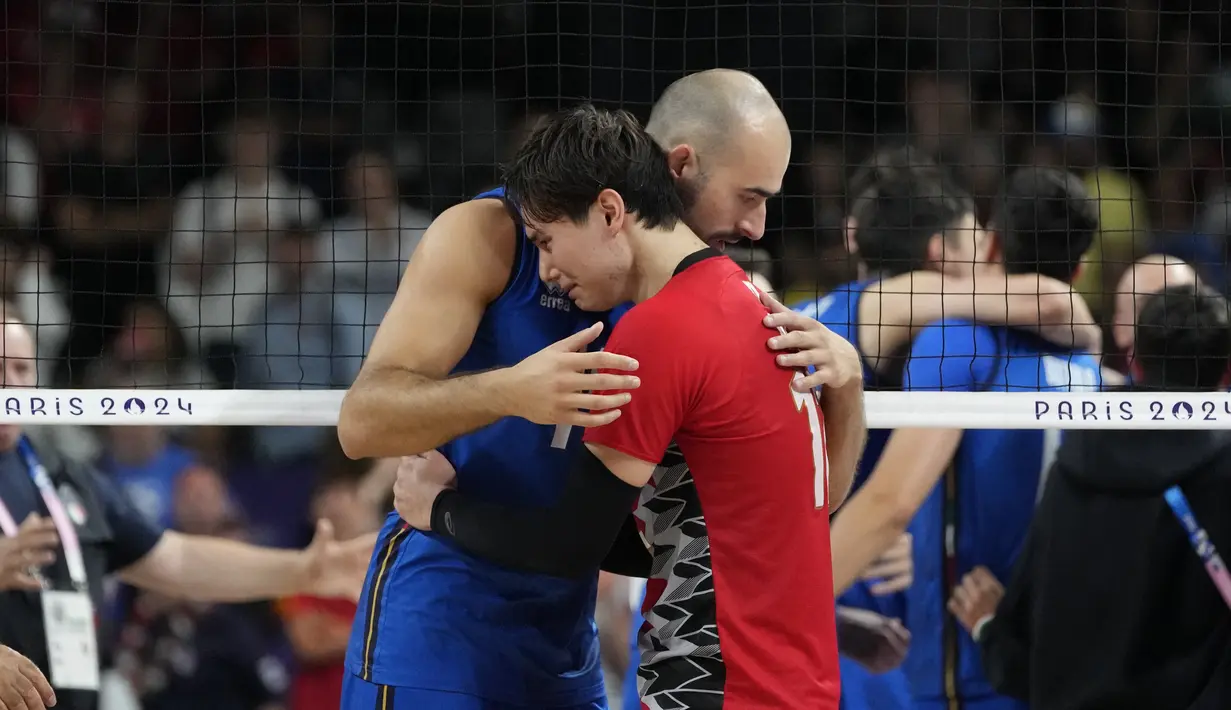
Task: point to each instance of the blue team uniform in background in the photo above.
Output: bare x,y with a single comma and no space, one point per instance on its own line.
440,629
629,696
988,496
862,689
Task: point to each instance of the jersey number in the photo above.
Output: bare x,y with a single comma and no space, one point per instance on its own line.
559,439
806,401
820,455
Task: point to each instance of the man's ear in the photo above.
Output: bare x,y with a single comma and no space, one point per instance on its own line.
936,248
611,209
995,248
682,160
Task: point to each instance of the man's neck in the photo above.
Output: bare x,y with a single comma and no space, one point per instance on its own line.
656,254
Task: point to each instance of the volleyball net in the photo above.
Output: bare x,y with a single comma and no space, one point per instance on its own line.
207,209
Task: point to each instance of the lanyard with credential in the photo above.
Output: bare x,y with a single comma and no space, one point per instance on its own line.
59,516
1200,542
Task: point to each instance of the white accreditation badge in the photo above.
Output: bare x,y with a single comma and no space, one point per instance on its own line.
72,644
68,617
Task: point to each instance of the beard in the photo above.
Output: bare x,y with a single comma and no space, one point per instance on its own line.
690,195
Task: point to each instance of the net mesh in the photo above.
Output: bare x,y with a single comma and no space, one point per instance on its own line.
223,195
207,205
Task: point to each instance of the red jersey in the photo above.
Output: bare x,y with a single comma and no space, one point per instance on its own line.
739,608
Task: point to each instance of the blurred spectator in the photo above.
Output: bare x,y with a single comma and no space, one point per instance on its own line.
300,336
146,465
22,179
370,247
1110,605
195,656
1075,126
110,210
319,629
940,110
27,282
214,270
149,350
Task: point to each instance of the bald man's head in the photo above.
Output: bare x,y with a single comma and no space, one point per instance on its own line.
1147,276
708,108
728,146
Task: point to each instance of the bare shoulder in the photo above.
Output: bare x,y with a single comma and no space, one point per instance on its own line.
484,225
907,284
474,242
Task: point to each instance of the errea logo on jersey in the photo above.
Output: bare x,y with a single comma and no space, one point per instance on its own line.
554,298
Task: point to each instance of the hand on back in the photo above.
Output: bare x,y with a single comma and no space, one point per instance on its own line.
558,384
807,343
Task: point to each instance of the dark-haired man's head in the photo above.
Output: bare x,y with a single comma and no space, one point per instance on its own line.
1183,340
909,222
728,146
1044,222
885,165
892,162
584,181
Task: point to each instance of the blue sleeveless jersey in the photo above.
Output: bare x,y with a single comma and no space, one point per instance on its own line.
861,690
435,618
987,498
838,310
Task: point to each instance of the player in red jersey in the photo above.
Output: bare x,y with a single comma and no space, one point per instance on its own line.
598,200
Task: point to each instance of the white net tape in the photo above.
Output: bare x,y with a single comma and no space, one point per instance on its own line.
885,410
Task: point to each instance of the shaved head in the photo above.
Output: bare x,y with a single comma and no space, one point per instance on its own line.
710,108
728,146
1147,276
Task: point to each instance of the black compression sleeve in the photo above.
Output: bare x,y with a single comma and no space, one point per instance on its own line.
569,539
628,555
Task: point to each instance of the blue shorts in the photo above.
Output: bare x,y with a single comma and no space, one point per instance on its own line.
358,694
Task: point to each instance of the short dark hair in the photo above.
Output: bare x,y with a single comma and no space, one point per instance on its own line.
576,154
1045,221
896,218
1183,339
890,162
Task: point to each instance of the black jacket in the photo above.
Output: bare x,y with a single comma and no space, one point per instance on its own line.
1110,608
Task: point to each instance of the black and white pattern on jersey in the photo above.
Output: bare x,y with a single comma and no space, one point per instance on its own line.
681,662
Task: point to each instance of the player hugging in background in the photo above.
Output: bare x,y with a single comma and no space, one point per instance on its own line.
917,232
1042,225
493,606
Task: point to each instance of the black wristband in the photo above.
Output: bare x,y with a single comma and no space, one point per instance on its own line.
442,512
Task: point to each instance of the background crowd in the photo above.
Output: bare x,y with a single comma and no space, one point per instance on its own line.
223,193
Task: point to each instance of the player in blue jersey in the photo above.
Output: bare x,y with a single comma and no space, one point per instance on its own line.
1043,224
438,628
880,314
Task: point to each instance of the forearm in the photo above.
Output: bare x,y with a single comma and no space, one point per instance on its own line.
1031,302
569,539
859,536
207,569
846,432
393,412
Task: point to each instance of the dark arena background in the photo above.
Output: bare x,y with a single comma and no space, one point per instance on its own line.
208,206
